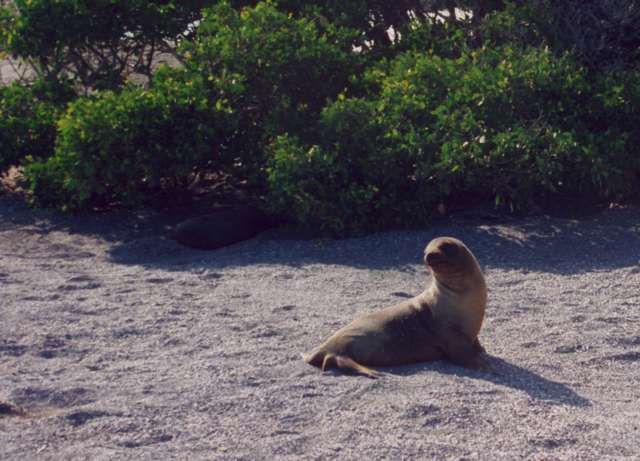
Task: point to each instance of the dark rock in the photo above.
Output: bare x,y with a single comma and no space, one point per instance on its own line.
10,409
78,418
221,227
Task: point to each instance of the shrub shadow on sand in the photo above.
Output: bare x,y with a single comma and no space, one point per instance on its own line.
606,241
508,375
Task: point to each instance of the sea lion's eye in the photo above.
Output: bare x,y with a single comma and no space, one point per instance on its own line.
449,249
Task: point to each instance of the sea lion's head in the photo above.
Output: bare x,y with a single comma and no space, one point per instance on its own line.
452,264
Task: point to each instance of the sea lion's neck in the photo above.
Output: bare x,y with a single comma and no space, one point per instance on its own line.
465,307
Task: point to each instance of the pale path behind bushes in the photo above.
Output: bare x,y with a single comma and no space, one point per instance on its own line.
7,72
124,345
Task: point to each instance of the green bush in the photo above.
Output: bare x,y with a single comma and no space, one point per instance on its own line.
354,179
523,124
95,43
515,125
28,120
123,147
289,66
341,129
248,77
47,180
506,124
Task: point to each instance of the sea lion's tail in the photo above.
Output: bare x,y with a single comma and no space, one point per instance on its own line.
326,360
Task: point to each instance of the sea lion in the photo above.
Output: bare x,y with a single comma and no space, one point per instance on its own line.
221,227
443,322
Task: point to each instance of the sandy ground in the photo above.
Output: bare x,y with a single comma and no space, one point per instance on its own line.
124,345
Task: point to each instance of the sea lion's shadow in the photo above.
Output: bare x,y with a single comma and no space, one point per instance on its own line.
505,374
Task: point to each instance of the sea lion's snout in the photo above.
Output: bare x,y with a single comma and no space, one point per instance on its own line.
442,250
434,259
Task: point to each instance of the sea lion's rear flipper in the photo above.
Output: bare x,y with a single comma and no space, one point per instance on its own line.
348,364
313,358
325,361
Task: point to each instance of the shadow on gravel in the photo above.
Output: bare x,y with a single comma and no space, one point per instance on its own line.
508,375
605,241
111,226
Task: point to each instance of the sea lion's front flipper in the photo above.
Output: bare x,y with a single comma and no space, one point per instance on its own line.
478,347
468,358
461,351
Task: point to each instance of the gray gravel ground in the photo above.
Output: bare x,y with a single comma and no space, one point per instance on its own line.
123,345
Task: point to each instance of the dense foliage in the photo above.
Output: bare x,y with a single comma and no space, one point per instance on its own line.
97,43
288,69
28,117
118,147
336,122
513,125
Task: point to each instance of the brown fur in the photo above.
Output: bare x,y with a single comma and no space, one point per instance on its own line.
443,322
